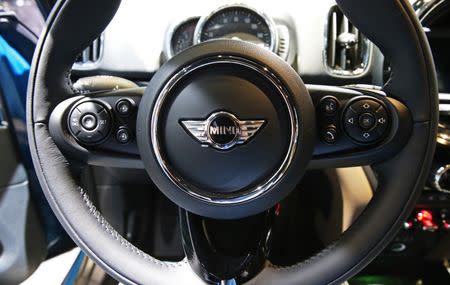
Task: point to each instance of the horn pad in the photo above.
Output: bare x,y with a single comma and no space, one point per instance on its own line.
225,129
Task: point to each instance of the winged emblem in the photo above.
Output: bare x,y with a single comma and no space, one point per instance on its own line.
222,130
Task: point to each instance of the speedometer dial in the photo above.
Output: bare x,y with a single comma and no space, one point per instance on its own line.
183,36
179,36
238,23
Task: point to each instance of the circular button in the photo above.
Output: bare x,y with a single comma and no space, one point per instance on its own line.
329,135
329,105
367,121
123,135
89,122
223,130
124,107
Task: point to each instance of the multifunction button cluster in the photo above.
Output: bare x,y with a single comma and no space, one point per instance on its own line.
365,120
125,108
89,122
329,106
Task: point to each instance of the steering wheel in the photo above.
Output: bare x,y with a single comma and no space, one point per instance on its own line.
226,130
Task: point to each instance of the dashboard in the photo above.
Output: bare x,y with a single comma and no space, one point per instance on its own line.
140,39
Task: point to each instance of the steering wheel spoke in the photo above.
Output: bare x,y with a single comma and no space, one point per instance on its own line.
343,137
99,128
357,125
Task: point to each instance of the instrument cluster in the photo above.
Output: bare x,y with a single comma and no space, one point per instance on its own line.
236,22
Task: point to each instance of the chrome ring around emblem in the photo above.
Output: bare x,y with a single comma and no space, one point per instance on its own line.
246,194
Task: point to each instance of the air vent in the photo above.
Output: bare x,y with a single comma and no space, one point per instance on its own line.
347,51
283,42
91,55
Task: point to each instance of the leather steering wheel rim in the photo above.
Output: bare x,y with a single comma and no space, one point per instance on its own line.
401,178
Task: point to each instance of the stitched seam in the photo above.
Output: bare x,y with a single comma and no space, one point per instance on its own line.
299,265
116,236
92,209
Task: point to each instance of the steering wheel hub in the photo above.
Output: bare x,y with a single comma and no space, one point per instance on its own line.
223,129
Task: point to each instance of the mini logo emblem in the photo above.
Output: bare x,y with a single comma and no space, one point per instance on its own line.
222,130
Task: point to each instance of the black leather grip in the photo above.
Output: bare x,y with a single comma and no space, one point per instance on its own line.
390,24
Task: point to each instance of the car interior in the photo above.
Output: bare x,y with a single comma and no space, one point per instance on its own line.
225,142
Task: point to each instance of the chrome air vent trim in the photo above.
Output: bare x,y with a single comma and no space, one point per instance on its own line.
347,52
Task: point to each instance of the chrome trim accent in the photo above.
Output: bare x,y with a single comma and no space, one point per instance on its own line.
421,7
367,87
438,176
444,108
443,136
86,63
200,130
444,96
284,42
367,62
268,21
247,194
167,49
